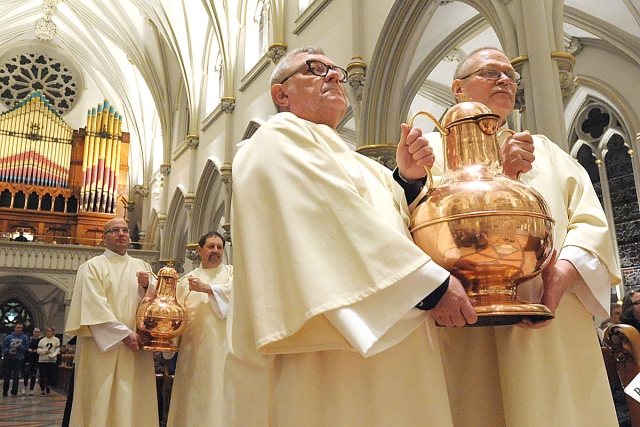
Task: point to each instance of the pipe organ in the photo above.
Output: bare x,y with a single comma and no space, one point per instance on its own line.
35,144
102,147
60,183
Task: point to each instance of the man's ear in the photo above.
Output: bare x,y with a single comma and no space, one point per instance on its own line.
280,97
456,88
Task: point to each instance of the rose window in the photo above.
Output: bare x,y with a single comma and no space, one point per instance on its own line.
26,73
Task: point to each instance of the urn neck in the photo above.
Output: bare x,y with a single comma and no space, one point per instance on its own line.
467,145
166,288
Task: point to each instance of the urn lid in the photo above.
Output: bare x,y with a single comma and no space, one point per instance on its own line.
471,112
168,271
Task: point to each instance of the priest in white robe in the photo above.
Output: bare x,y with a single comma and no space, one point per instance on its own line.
322,326
196,395
114,381
548,374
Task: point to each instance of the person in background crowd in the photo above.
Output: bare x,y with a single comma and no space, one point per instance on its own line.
14,347
631,310
48,349
30,367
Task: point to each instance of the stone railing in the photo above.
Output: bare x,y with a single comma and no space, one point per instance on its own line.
56,263
42,257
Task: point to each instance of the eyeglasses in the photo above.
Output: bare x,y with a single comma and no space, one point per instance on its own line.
117,230
494,74
320,69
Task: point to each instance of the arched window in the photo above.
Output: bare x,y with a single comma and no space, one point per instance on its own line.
19,200
262,21
47,203
32,202
215,81
5,199
602,147
13,311
258,32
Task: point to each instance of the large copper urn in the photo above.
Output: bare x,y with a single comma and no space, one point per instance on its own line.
491,232
162,316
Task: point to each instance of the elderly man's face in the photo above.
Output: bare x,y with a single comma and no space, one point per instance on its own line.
498,95
320,100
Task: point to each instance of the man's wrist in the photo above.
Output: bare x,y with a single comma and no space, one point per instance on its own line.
410,181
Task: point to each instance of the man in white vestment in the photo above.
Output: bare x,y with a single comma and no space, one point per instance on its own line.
323,329
552,373
114,381
196,396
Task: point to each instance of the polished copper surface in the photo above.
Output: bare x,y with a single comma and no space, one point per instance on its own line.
162,316
491,232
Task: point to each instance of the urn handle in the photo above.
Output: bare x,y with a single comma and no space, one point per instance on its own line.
510,132
442,130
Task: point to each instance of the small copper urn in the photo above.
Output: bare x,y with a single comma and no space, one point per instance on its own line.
490,231
162,316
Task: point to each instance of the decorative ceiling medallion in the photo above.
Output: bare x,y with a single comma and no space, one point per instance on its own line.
45,29
24,73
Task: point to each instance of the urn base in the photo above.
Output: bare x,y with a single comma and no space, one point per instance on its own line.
160,345
510,314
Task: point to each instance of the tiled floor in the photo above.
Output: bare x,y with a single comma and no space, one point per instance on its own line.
32,411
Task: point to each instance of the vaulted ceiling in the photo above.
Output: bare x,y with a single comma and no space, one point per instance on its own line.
144,54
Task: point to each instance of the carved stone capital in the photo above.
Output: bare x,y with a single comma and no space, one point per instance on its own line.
192,141
192,252
276,52
453,55
142,190
357,71
189,201
165,169
225,173
226,232
574,47
227,104
568,84
385,154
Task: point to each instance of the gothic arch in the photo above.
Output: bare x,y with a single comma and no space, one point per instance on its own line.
153,231
209,201
388,81
591,89
174,245
23,294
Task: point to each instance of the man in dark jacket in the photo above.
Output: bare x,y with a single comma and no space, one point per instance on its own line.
30,367
14,347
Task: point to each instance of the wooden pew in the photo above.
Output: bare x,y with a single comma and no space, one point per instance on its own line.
621,353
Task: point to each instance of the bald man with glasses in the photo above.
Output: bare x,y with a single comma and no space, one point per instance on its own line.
536,374
114,381
324,329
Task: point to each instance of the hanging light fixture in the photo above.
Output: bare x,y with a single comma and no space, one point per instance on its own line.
45,28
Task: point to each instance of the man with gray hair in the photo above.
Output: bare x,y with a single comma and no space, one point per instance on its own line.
324,329
549,373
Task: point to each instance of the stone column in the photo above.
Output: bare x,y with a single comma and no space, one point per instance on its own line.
535,24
